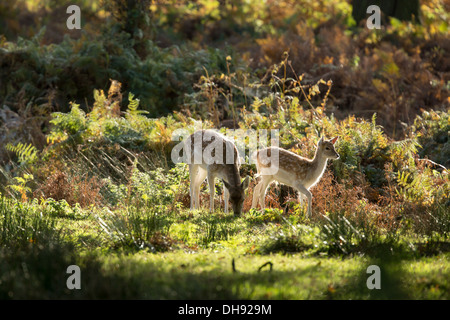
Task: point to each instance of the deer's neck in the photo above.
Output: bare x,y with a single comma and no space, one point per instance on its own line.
319,164
232,174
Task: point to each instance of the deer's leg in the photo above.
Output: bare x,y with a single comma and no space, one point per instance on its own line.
212,189
301,197
256,192
265,181
192,175
201,175
226,197
307,194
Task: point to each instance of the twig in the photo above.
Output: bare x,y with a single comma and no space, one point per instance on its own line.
434,163
233,267
265,264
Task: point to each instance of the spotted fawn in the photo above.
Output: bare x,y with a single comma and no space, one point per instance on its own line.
293,170
214,156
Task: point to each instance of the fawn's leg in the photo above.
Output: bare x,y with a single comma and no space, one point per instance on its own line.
192,177
301,197
201,175
212,188
306,193
226,197
256,191
265,181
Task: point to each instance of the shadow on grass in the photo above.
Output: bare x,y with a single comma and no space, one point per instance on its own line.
39,272
393,281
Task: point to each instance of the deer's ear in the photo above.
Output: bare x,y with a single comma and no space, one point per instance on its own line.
321,140
226,184
333,141
245,183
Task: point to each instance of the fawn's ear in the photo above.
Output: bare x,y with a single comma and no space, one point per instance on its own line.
226,184
245,183
333,141
321,140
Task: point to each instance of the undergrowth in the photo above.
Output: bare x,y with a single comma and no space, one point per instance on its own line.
89,168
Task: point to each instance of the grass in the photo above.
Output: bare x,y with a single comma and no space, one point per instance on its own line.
208,274
210,256
123,219
92,182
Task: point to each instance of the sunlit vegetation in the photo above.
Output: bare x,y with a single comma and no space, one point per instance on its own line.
86,137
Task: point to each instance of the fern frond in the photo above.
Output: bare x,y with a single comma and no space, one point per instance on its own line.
26,153
420,188
133,105
407,147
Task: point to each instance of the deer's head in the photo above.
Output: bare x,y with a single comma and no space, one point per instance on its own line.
237,194
327,148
